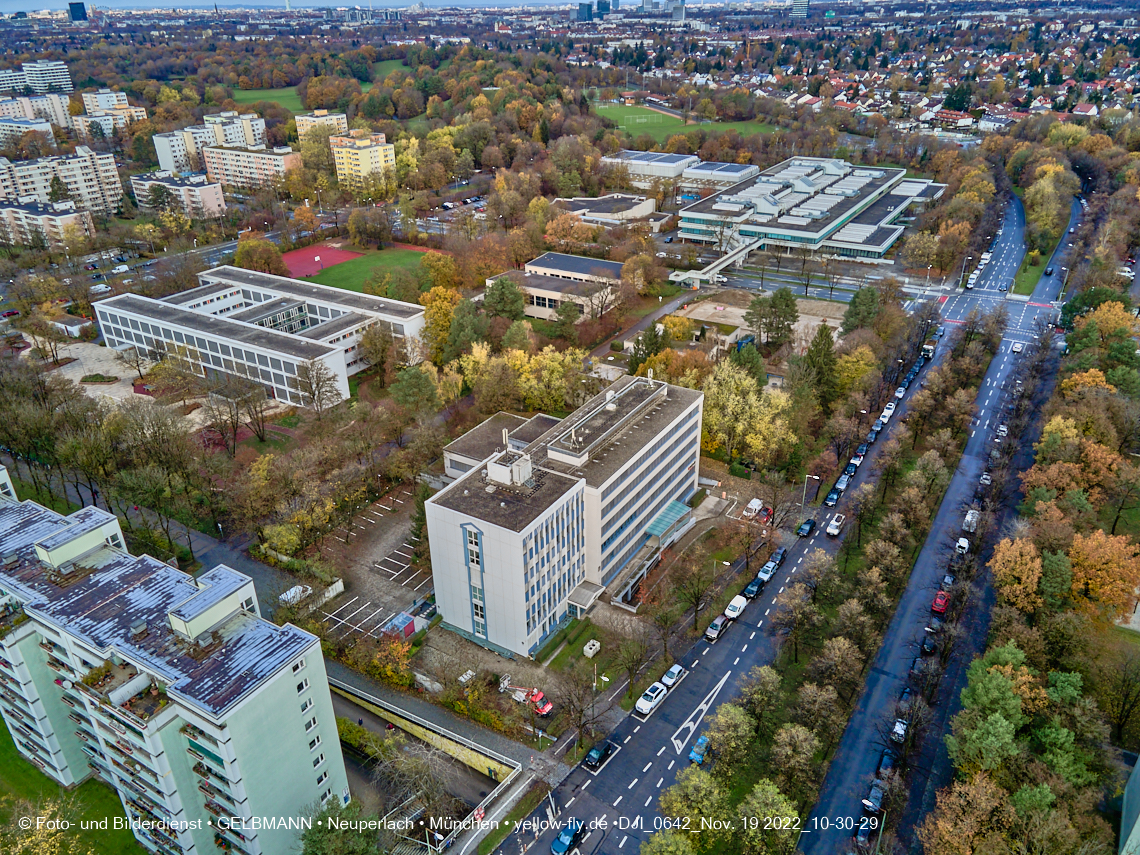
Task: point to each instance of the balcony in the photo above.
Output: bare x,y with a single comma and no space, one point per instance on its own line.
217,810
59,667
191,732
47,646
11,616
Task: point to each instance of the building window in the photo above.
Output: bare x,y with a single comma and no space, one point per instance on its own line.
318,760
248,604
310,724
476,594
307,704
298,665
480,628
480,612
304,684
313,743
324,777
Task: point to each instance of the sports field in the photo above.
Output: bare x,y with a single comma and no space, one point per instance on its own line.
351,275
660,126
311,260
286,97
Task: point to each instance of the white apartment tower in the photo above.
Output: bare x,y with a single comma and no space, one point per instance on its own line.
91,180
181,151
43,75
173,690
540,522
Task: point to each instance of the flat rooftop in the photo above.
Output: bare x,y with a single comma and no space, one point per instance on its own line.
509,507
715,170
310,292
654,157
542,282
615,203
486,438
574,265
109,591
223,328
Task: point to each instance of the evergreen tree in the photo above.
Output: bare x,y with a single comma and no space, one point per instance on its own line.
467,327
749,358
504,299
567,320
820,358
782,317
862,310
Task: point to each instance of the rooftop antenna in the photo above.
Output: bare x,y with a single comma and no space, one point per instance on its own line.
505,435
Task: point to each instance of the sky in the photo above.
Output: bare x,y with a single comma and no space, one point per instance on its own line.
7,7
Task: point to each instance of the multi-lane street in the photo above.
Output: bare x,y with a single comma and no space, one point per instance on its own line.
618,802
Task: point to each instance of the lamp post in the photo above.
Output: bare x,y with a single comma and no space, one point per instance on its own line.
317,259
803,501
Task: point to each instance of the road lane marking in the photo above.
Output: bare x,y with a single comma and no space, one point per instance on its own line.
659,753
752,636
571,801
618,801
660,781
627,739
689,726
744,649
766,612
647,801
736,661
647,765
632,784
636,729
706,650
696,663
626,837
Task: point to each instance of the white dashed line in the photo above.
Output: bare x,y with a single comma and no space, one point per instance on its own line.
660,781
752,636
618,801
627,739
625,837
659,753
736,661
646,769
636,729
671,762
571,801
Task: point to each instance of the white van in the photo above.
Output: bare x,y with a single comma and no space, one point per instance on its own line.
99,289
754,507
122,268
970,524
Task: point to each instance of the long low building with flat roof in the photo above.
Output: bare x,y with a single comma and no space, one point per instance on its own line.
259,326
555,278
821,203
645,167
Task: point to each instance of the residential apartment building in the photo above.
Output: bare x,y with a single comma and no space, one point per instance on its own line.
194,195
359,154
91,179
241,323
202,716
12,129
555,278
538,524
51,107
248,167
104,99
181,151
321,119
20,224
43,75
822,203
106,121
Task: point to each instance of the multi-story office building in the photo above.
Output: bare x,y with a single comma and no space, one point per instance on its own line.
321,119
799,8
554,278
249,167
12,129
173,690
91,180
645,168
43,75
181,151
194,195
21,224
821,203
536,528
76,12
248,324
359,154
107,121
104,99
51,107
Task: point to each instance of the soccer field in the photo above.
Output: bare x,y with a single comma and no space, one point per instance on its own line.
641,120
351,275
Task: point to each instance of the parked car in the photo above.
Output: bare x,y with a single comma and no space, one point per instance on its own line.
962,546
752,509
806,528
699,750
888,411
850,469
898,731
766,572
836,525
671,677
887,761
568,838
986,479
11,313
753,589
766,516
928,646
715,628
832,498
780,555
941,601
948,581
599,753
872,435
294,595
651,697
900,392
862,450
735,608
842,483
874,801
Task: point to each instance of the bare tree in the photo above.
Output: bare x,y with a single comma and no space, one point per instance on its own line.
634,649
692,584
255,405
577,695
224,416
318,386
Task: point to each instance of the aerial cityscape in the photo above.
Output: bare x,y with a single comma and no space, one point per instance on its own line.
595,428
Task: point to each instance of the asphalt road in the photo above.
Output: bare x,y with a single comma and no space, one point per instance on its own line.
617,802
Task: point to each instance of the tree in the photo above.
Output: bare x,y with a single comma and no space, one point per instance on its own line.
839,664
668,842
756,316
820,357
255,253
1118,687
795,615
749,358
783,313
793,752
504,299
468,326
732,405
818,708
730,730
414,390
566,320
1016,565
1106,574
696,796
304,219
577,697
134,357
519,336
761,696
643,274
968,817
692,584
49,837
439,310
777,837
634,651
442,271
318,386
375,344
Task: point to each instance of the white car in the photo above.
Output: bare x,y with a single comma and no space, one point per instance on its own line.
1017,347
836,525
671,677
985,480
900,392
898,732
1002,430
736,608
963,546
294,595
888,411
752,509
651,699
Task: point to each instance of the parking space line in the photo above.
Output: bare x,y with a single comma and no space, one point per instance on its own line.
421,584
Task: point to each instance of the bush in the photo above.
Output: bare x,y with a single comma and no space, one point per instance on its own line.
698,497
738,471
98,378
617,345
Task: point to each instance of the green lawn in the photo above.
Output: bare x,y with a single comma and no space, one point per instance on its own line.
380,70
286,97
743,127
660,126
94,800
1028,275
351,275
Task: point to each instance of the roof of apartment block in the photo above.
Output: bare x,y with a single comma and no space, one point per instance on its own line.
555,284
486,438
535,427
107,593
249,334
348,300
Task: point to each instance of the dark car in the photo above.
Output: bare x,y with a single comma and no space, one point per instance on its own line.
753,589
863,836
887,761
779,556
599,753
861,451
832,498
806,528
905,697
1048,271
850,469
918,363
567,838
880,424
872,435
948,581
928,646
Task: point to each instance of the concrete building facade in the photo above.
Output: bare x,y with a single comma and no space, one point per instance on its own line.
43,75
194,195
172,690
359,154
107,121
535,531
51,107
241,323
554,278
646,167
91,179
248,167
104,99
320,119
21,223
12,129
181,151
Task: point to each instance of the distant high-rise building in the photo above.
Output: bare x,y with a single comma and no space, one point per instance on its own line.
40,76
585,11
77,11
614,5
603,7
799,8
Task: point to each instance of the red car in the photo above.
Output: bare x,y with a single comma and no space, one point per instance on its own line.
766,516
941,601
11,313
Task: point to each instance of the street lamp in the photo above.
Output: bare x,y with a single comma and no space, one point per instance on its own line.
803,501
317,259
